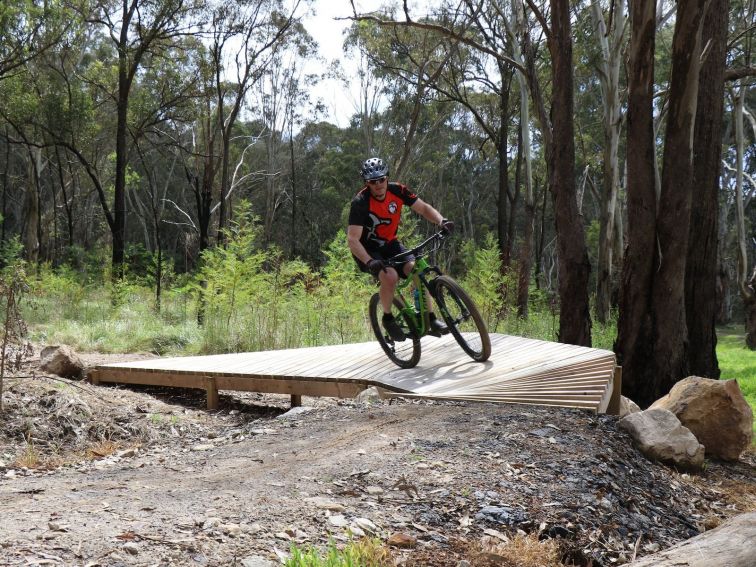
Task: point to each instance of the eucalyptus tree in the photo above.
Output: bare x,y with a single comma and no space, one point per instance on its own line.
242,37
652,341
574,267
414,59
138,30
610,32
281,89
743,100
702,257
29,28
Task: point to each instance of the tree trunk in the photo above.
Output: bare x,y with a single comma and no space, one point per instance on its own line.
31,207
119,190
702,261
634,345
505,246
671,362
574,267
746,285
610,85
654,336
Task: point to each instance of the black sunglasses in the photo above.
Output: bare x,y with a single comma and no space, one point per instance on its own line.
376,181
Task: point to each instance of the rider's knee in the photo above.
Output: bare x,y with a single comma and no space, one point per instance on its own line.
389,277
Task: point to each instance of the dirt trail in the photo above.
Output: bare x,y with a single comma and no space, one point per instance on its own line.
183,486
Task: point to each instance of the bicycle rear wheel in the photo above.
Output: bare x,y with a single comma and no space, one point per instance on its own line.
463,318
406,353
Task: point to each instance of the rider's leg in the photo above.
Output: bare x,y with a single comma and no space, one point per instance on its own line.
388,279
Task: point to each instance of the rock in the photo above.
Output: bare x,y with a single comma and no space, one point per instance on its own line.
730,544
715,411
61,361
256,561
338,521
325,504
295,413
660,436
627,406
403,541
131,548
369,396
366,525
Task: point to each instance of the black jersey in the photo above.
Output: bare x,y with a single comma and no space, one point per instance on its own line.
380,219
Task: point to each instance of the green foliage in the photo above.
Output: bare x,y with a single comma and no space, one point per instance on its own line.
738,362
363,553
484,282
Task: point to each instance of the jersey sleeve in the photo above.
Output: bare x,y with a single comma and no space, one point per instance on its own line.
358,212
404,193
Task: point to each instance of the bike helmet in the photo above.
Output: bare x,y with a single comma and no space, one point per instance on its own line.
373,168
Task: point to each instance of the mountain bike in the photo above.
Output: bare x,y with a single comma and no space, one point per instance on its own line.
453,303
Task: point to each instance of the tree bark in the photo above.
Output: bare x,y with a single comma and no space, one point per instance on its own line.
671,362
702,262
611,48
574,267
653,338
746,284
634,345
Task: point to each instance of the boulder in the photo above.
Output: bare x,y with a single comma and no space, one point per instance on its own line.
660,436
715,411
62,361
731,544
627,406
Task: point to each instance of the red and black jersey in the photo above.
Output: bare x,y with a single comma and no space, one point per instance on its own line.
380,219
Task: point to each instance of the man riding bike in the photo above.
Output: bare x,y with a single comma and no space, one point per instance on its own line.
374,219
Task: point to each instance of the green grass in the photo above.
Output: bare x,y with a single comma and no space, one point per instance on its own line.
736,361
363,553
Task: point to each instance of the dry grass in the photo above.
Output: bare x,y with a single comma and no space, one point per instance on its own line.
518,551
30,458
101,449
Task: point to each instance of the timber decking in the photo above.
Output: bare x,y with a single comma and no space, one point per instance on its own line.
519,371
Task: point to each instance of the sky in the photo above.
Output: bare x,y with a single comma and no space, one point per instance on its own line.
329,33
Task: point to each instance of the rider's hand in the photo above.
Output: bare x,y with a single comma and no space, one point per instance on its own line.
375,266
447,226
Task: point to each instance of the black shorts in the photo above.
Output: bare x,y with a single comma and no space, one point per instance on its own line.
385,252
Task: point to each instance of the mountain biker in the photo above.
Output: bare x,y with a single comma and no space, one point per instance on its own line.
374,218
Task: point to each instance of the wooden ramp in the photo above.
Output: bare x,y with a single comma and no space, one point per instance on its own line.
519,370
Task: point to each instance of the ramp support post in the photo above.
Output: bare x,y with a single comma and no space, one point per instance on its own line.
296,400
211,387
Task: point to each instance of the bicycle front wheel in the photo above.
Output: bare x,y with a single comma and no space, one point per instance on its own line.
406,353
463,318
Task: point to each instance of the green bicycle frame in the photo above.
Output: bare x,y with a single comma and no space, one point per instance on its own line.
419,314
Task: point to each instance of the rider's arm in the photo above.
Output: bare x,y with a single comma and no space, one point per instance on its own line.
354,233
427,211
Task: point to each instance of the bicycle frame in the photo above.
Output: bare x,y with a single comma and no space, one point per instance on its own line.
419,314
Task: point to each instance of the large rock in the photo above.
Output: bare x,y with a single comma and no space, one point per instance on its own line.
660,436
716,413
733,544
62,361
627,406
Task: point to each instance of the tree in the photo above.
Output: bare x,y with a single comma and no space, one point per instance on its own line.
652,341
611,41
138,29
574,267
746,281
702,259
